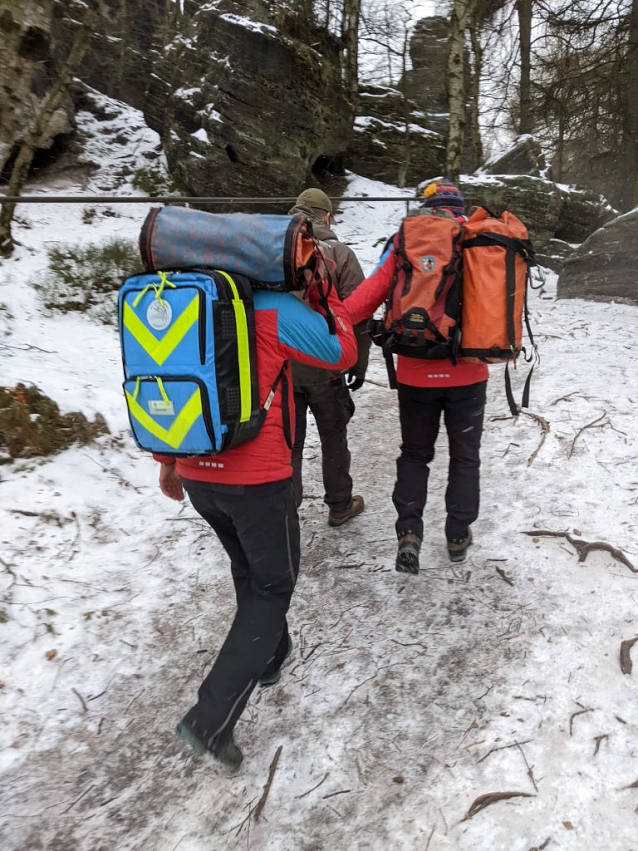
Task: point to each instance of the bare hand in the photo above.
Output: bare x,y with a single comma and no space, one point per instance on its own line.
170,482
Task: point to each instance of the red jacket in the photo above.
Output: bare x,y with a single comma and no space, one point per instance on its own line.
286,328
413,371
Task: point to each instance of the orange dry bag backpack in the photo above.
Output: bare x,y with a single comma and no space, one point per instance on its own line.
497,256
422,311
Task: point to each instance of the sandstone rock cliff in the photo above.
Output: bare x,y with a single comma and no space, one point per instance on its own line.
25,53
244,107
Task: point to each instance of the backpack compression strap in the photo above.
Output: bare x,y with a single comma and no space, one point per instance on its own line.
285,410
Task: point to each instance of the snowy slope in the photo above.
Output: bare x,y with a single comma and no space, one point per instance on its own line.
406,698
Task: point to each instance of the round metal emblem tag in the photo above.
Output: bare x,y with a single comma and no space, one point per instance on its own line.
159,315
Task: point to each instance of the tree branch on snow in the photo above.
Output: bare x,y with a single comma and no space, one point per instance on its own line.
503,575
575,715
271,773
626,664
598,740
323,779
583,548
503,748
545,431
595,424
491,798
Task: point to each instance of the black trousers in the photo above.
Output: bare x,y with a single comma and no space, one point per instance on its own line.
420,411
332,407
259,529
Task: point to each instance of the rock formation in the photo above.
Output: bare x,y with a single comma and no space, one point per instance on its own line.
245,108
555,216
25,51
392,140
603,268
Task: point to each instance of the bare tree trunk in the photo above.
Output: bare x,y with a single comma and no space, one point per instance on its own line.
350,37
475,91
557,165
456,87
404,168
29,144
326,22
524,10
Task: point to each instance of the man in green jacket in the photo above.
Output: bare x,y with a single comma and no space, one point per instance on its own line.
327,393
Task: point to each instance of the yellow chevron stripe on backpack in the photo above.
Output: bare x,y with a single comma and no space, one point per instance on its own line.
189,353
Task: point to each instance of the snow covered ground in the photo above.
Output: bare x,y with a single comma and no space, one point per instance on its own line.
406,699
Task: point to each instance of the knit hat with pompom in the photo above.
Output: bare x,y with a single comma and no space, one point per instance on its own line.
443,193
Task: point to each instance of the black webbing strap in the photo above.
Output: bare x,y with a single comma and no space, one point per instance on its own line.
520,246
510,396
508,391
510,293
528,284
284,404
285,408
389,363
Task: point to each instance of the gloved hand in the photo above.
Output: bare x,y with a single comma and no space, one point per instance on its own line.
353,382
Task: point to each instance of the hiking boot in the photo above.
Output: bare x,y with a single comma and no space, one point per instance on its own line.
338,518
457,547
228,754
273,679
408,554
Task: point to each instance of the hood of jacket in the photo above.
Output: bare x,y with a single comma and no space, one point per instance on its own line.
320,230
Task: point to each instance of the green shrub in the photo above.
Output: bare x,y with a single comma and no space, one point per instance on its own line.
154,181
31,425
87,278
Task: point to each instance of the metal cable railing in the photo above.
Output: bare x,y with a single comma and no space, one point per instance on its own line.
174,199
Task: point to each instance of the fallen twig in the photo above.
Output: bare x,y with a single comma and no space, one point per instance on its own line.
504,748
80,698
625,659
545,431
491,798
240,826
340,792
595,424
503,576
530,773
575,715
324,778
598,740
583,548
271,773
73,803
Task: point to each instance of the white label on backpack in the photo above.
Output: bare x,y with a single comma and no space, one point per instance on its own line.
159,315
428,264
160,408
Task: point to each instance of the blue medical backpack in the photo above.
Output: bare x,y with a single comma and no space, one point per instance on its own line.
188,349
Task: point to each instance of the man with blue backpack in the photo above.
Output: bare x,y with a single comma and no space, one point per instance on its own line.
245,494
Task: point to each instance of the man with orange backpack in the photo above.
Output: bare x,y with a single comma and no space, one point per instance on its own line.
430,379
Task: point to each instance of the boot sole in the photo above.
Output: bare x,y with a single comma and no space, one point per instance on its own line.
188,736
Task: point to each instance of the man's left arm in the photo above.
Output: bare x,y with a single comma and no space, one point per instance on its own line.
349,275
